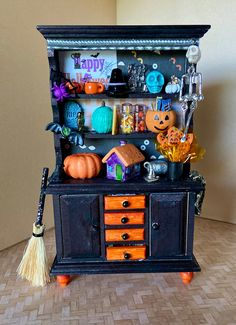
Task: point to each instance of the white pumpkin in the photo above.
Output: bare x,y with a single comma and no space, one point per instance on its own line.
172,88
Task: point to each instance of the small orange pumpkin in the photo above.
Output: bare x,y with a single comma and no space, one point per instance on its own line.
159,121
82,165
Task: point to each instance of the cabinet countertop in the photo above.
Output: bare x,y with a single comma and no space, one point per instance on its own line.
136,185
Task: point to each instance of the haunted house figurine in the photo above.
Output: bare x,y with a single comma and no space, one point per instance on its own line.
123,162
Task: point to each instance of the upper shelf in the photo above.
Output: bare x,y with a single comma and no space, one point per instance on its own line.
128,95
142,37
137,135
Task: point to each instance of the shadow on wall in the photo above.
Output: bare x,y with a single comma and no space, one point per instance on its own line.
220,191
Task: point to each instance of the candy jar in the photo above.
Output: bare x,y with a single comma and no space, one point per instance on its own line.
127,119
139,118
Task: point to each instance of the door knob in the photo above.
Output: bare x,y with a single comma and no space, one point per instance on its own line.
155,225
95,227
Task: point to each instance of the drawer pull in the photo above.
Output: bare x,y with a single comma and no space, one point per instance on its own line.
155,225
125,204
125,236
124,220
127,256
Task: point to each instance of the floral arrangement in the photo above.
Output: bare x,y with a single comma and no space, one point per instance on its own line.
175,148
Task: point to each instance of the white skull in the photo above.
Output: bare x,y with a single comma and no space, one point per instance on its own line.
193,54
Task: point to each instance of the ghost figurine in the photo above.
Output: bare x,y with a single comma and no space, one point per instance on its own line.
193,54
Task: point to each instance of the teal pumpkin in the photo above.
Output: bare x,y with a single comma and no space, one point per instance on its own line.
102,119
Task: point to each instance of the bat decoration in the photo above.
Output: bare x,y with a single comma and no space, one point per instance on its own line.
95,55
76,139
54,127
72,136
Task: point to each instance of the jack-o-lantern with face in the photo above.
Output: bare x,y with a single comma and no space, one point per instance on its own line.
161,119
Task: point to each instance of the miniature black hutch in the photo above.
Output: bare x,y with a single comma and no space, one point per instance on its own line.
106,226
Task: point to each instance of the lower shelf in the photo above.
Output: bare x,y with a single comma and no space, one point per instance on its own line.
106,267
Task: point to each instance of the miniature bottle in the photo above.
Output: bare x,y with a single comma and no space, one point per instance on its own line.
139,118
127,119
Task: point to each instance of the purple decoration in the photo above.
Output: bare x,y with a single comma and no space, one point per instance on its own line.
60,92
116,169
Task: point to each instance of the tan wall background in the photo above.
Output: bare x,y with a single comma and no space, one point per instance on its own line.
25,104
216,117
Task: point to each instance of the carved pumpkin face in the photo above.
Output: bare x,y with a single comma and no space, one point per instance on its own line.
159,121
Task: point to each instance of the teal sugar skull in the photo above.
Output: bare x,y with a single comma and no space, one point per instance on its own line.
155,81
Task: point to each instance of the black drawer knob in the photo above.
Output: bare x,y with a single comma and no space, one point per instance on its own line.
127,256
125,236
155,225
124,220
125,204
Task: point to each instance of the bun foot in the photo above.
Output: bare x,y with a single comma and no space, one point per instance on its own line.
186,277
63,280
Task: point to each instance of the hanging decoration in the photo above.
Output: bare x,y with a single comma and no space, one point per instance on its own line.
191,87
66,132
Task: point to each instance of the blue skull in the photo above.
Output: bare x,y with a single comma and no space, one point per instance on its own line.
155,81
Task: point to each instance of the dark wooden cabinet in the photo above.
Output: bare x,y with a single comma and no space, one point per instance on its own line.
106,226
168,219
80,224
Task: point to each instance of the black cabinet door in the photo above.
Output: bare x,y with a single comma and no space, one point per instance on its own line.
167,224
80,226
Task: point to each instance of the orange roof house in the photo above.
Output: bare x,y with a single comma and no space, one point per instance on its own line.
123,162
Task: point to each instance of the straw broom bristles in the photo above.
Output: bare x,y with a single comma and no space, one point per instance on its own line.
34,264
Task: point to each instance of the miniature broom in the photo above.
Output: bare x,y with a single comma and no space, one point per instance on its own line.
34,264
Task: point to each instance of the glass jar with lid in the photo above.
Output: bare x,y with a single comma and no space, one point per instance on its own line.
139,118
126,119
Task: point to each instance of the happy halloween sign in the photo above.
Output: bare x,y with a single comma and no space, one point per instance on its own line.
82,66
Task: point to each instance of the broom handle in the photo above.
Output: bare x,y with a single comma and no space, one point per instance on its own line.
42,197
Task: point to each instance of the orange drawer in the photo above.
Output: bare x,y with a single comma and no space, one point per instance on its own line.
124,234
122,218
124,202
126,253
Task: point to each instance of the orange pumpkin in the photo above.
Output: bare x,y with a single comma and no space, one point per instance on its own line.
82,165
159,121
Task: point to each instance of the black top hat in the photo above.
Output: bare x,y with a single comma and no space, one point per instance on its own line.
117,86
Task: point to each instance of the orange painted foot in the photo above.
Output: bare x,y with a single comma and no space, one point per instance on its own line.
63,280
186,277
